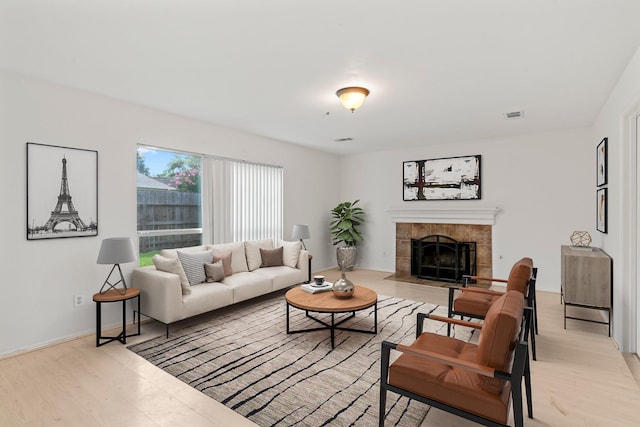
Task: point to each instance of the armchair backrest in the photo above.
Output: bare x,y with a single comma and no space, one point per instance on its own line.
520,275
500,332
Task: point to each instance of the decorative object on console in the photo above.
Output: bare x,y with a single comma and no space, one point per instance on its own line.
580,239
116,251
601,156
451,178
343,287
352,97
299,232
601,210
44,177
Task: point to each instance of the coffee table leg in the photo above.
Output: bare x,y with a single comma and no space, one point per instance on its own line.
332,329
375,318
287,317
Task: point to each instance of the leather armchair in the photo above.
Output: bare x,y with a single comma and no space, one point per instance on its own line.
477,382
473,301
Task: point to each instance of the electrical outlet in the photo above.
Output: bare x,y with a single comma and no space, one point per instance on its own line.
79,300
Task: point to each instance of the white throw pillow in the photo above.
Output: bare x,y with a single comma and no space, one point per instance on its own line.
252,249
238,257
290,253
172,265
193,265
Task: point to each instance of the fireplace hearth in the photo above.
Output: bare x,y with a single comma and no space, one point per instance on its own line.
442,258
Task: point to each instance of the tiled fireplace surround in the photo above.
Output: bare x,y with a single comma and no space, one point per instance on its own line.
464,225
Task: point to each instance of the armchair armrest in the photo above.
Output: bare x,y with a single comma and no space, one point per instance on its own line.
466,278
448,320
447,360
453,321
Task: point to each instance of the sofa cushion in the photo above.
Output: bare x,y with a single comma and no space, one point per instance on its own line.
206,297
173,253
193,265
238,257
214,271
283,276
172,265
247,285
271,257
252,250
290,253
498,337
225,259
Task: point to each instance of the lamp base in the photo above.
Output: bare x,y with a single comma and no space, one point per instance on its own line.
111,286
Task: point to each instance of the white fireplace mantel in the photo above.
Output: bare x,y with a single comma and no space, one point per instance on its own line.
461,215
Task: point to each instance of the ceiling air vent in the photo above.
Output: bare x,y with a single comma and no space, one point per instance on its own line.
514,115
343,139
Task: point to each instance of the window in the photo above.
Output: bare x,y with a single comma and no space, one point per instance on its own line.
240,200
169,201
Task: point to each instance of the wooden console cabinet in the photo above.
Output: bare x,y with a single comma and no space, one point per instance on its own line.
586,281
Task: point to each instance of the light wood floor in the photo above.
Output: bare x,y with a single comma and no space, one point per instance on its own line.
579,379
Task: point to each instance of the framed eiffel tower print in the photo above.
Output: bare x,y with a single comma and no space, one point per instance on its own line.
62,192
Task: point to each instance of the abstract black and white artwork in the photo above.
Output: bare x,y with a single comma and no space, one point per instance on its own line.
62,192
450,178
601,210
601,161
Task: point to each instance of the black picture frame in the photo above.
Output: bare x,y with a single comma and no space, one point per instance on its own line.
601,210
445,178
601,162
62,192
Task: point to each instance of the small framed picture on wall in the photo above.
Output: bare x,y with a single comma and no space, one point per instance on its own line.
601,162
601,210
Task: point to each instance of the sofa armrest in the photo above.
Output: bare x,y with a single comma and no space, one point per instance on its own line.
161,294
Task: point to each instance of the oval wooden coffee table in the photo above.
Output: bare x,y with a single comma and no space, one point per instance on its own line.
326,302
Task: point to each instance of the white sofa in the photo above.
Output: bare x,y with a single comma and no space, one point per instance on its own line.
163,297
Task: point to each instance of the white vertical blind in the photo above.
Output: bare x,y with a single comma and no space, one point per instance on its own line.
245,201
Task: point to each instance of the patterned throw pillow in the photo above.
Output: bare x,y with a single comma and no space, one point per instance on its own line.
225,257
193,265
271,257
172,265
214,271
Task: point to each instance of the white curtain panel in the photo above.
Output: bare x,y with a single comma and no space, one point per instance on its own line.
245,201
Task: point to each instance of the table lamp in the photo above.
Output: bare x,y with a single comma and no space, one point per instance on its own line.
301,231
116,250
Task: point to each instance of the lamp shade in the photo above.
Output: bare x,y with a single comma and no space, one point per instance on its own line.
116,250
352,97
300,231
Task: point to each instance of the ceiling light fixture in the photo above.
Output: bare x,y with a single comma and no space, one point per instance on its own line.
352,97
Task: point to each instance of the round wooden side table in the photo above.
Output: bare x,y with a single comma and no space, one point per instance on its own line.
114,296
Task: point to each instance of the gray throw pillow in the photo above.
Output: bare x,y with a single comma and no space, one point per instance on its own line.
271,257
214,271
193,265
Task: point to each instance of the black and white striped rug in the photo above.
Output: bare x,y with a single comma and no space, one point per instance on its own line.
243,358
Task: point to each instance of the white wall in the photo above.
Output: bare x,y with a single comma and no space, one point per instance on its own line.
543,184
613,122
41,277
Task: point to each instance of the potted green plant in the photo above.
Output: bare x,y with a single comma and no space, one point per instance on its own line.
346,218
